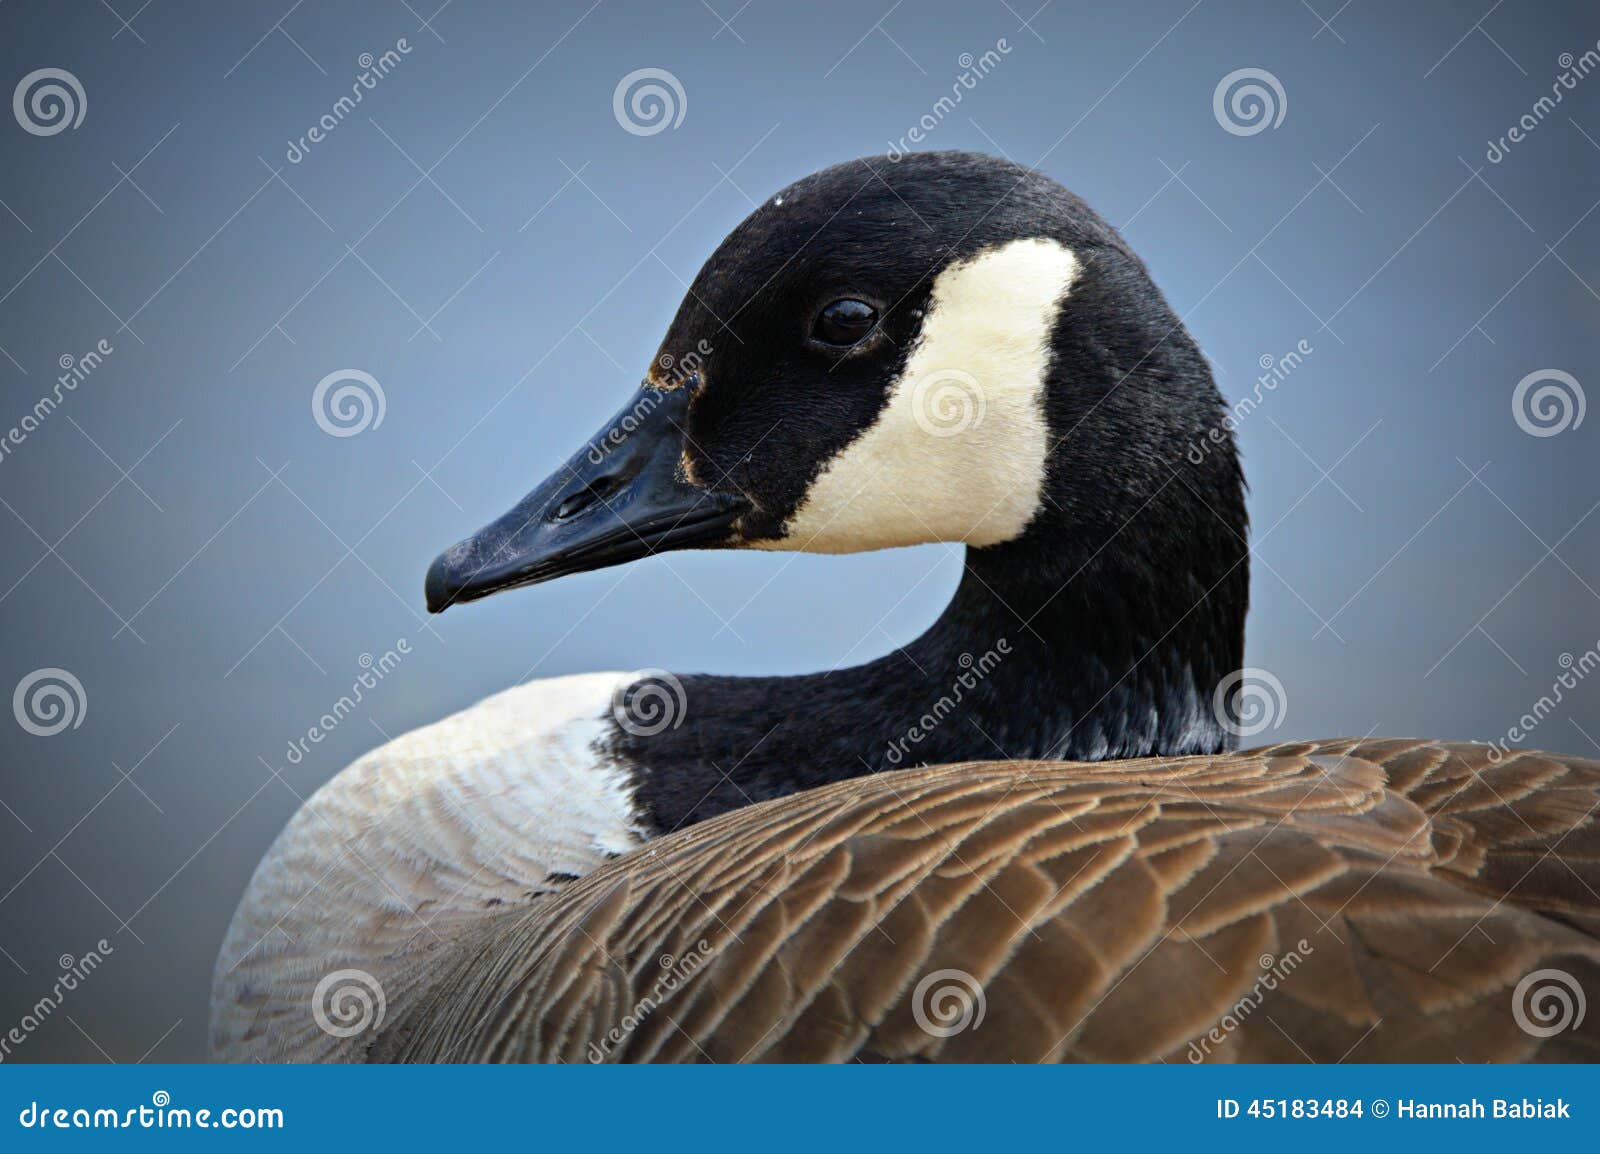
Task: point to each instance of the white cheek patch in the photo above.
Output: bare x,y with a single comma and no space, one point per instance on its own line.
958,452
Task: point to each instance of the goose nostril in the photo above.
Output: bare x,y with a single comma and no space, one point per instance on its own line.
575,503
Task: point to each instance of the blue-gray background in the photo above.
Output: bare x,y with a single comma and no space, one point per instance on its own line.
216,598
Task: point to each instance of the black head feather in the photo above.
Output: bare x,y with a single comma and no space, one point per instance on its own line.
1121,606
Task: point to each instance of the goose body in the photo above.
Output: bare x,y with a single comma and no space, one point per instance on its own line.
1025,835
1322,901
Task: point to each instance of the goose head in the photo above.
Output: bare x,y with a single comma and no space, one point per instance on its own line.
951,348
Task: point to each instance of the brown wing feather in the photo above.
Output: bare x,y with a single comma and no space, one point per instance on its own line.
1369,900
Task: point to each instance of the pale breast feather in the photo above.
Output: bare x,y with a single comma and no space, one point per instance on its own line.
492,808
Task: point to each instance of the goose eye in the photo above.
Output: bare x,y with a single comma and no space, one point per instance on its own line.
845,322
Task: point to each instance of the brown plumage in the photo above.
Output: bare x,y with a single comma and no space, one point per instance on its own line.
1371,900
492,886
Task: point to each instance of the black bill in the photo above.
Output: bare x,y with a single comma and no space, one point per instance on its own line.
622,497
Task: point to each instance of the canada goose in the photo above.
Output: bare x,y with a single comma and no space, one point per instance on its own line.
610,866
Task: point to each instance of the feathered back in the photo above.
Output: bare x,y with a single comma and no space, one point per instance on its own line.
1361,900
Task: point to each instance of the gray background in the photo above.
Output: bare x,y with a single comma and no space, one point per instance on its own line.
1426,584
